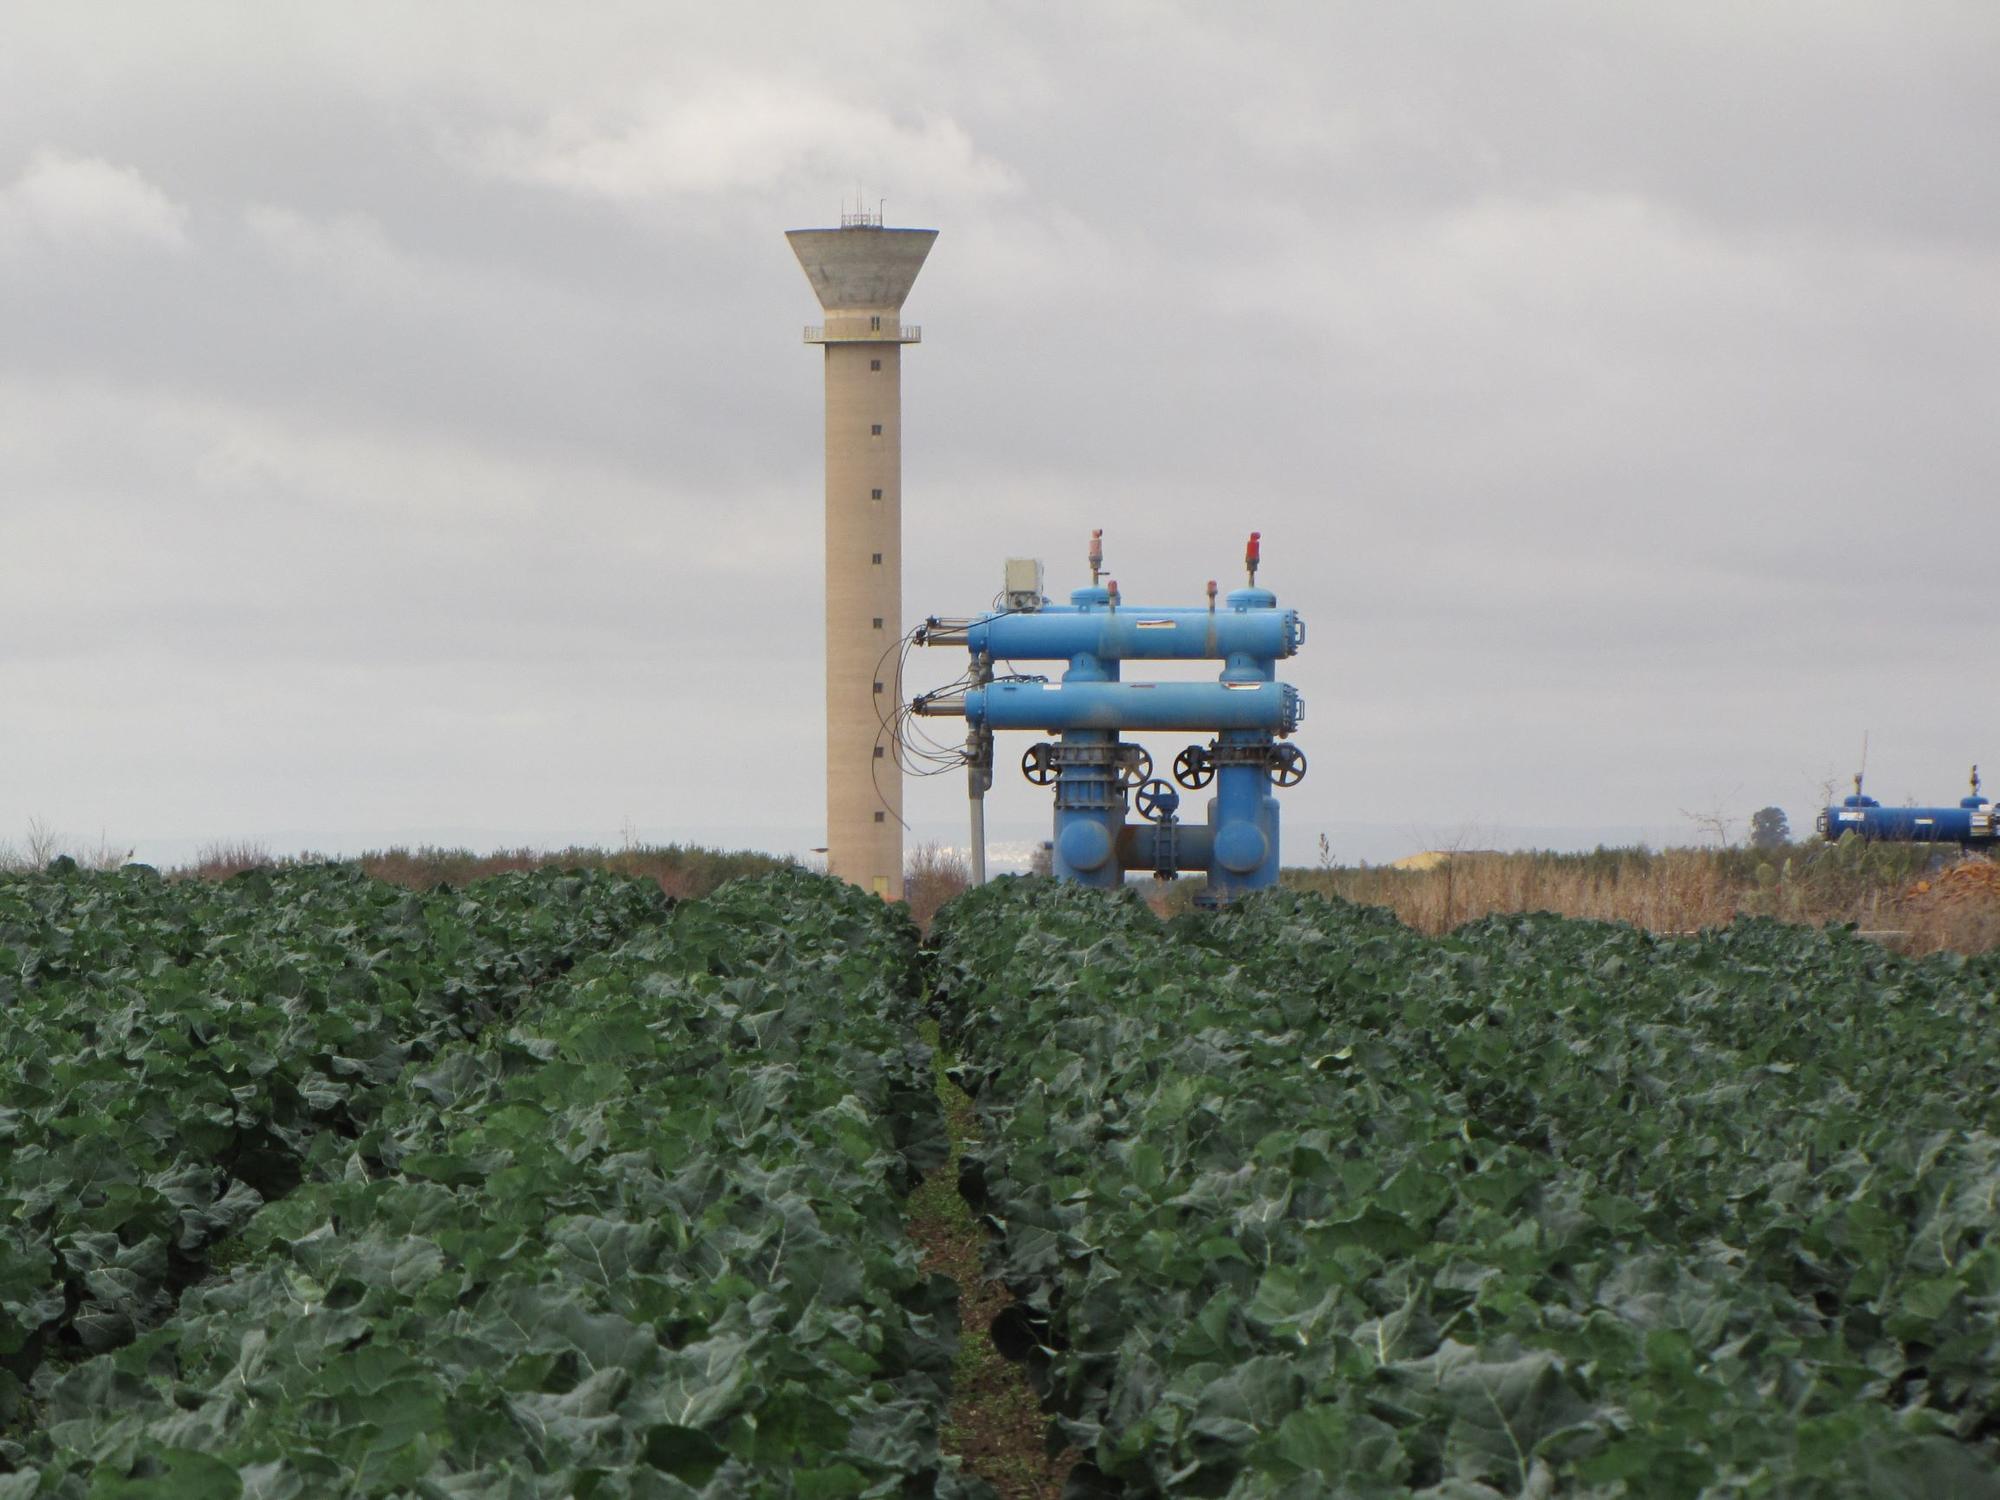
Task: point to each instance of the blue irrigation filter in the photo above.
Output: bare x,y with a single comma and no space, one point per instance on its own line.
1095,775
1973,824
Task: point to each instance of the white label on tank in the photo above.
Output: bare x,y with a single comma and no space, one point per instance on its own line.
1156,625
1244,687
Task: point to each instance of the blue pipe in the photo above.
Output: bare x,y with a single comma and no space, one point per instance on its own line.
1056,707
1138,846
1057,634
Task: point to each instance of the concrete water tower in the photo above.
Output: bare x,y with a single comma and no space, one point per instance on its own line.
861,273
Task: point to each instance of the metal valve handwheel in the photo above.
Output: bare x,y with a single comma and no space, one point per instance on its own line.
1288,765
1192,769
1156,801
1038,763
1135,764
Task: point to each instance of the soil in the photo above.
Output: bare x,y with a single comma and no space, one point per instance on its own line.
996,1428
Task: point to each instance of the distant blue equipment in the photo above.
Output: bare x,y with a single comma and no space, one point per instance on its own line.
1246,710
1973,824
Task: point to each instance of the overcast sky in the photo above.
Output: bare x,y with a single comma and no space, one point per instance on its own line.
405,431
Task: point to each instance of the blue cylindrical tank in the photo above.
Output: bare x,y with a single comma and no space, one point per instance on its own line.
1244,818
1272,707
1090,812
1057,634
1971,822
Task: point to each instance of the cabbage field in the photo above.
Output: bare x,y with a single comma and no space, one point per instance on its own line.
550,1187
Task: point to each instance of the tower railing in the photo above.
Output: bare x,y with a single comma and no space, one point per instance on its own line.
906,333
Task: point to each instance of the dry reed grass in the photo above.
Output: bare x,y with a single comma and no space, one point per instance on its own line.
1687,890
1916,899
223,858
1680,890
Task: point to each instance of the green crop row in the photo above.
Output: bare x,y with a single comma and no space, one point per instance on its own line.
643,1242
1297,1203
174,1053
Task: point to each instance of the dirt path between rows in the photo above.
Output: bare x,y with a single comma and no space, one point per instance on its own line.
996,1427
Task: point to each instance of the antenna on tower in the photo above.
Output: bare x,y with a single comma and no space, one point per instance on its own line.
858,217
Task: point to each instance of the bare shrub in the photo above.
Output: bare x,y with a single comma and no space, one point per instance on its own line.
932,875
103,854
44,845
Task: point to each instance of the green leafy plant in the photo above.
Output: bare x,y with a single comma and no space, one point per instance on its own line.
1295,1202
642,1239
173,1055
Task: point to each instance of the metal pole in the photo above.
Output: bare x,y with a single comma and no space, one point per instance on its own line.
979,773
978,832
